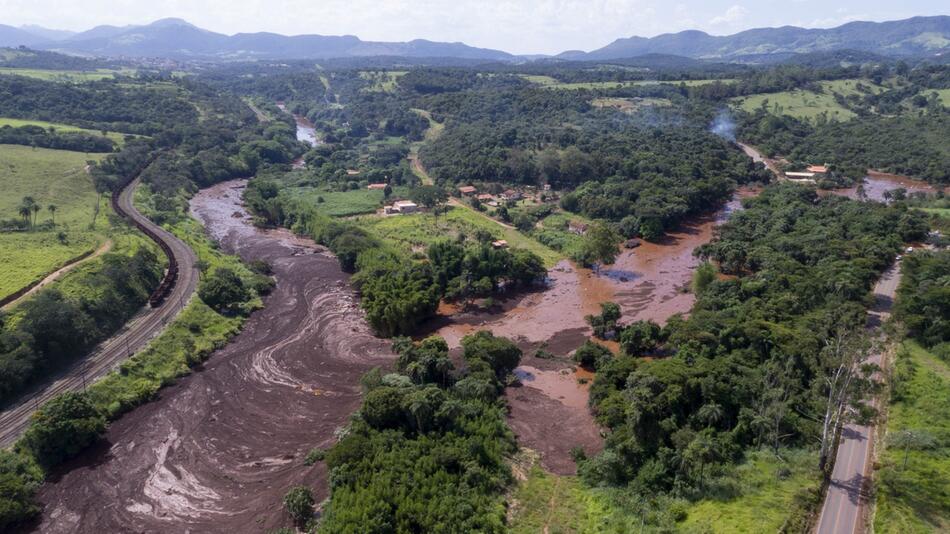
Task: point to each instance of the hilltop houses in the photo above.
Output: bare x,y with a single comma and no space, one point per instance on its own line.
467,190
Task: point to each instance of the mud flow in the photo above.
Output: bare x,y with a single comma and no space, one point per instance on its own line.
548,410
219,449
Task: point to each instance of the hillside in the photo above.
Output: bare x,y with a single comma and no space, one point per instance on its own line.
176,38
927,36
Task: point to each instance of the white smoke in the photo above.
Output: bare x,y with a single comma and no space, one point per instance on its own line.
724,126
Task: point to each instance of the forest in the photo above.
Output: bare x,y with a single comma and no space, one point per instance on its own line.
747,365
427,450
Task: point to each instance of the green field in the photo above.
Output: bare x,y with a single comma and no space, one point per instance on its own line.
16,123
341,204
797,103
853,86
50,177
551,83
416,231
916,497
944,95
767,489
756,498
383,81
65,75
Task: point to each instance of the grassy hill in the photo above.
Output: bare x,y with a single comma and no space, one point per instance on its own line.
50,177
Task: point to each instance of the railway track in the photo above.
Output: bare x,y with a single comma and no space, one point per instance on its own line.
175,289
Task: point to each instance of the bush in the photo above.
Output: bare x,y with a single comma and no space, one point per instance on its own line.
224,291
62,428
591,355
299,504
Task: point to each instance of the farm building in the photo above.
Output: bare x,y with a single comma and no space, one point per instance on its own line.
467,190
375,187
352,172
817,169
800,176
501,243
485,197
510,194
405,206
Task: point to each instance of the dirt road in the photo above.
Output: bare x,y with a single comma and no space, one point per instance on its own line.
842,511
59,273
219,449
134,336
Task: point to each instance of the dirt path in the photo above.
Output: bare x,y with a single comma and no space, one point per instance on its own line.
134,336
57,274
219,449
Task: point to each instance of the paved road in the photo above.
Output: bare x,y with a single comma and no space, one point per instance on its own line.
847,493
133,337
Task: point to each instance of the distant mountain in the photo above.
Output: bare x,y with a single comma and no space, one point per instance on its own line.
13,37
176,38
47,33
918,36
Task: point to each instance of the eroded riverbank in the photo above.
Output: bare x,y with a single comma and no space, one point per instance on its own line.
217,451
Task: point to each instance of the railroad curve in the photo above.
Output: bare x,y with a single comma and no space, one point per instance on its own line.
169,298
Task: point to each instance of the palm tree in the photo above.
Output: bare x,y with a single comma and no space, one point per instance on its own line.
26,209
52,213
36,209
25,212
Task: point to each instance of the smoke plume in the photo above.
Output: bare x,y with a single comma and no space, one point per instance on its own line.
724,126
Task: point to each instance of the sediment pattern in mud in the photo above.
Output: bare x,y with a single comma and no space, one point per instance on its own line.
218,450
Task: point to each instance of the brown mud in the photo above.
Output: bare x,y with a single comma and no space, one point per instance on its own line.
877,183
549,411
217,451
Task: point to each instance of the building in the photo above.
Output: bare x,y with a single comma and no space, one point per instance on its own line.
352,172
501,243
467,190
800,176
817,169
375,187
510,194
485,197
405,206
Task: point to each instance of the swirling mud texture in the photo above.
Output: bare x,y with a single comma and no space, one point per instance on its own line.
219,449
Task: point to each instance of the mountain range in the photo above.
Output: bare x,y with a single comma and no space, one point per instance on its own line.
177,39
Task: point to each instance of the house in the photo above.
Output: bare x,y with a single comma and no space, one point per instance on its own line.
501,243
510,194
467,190
374,187
405,206
485,197
352,172
547,187
577,227
817,169
800,176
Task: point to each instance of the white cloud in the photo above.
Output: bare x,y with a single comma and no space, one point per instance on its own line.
731,17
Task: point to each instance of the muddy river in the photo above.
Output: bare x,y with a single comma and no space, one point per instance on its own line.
218,450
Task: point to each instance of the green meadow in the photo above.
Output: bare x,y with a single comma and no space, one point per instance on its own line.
54,177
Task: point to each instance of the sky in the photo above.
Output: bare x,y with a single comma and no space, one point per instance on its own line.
517,26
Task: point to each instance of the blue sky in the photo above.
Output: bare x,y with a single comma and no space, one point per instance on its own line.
518,26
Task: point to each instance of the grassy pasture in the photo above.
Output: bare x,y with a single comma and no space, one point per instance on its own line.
915,496
551,83
797,103
50,177
342,204
65,75
408,232
383,81
63,128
